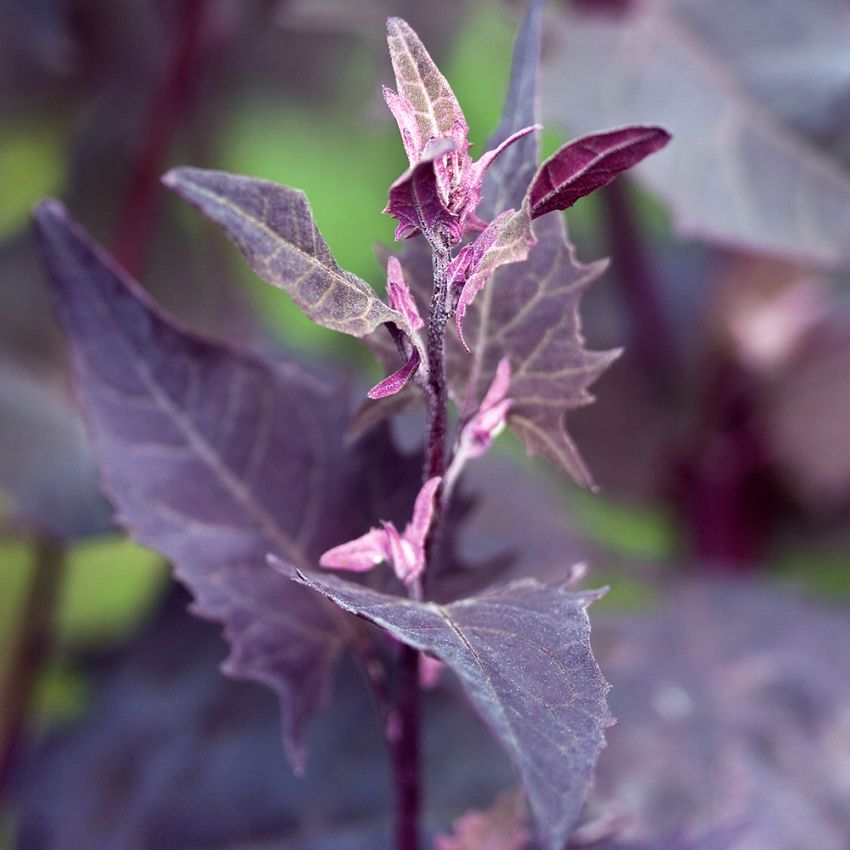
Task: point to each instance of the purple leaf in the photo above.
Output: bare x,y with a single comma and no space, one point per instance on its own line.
212,456
507,180
396,382
425,106
399,295
522,653
737,173
528,313
273,227
507,239
414,198
586,164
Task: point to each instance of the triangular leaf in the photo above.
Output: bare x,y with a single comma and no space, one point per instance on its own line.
522,653
273,227
212,456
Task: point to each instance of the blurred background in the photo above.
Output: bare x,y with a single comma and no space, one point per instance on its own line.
720,439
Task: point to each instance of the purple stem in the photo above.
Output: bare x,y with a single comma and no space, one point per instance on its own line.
652,339
406,755
167,110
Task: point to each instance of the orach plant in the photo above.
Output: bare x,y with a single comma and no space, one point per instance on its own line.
235,466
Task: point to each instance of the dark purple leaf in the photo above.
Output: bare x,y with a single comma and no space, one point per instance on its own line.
414,199
180,757
273,227
508,178
529,314
522,653
736,174
586,164
213,457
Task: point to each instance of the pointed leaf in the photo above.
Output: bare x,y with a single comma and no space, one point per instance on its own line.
432,110
414,199
213,457
507,239
399,379
273,227
586,164
508,178
529,313
522,653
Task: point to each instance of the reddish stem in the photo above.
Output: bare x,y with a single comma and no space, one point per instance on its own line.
136,221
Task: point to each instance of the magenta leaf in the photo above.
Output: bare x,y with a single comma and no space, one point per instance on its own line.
522,653
212,456
400,296
273,227
425,106
414,198
396,382
586,164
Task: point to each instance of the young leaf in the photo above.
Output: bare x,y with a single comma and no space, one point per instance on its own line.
213,457
501,827
586,164
522,653
273,227
425,106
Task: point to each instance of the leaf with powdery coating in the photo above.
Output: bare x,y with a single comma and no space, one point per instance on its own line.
586,164
273,227
414,200
522,653
213,457
425,106
529,313
505,240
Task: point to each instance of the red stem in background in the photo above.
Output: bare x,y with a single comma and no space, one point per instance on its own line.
651,337
136,221
30,650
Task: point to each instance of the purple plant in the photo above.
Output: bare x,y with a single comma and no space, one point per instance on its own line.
235,467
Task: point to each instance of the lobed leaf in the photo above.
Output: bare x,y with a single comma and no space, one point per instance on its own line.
211,456
273,227
522,653
586,164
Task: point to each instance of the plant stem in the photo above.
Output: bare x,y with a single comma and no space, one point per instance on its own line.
29,651
406,754
167,111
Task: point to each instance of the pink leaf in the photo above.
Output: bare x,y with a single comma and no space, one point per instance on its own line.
425,106
501,827
398,380
358,555
423,513
588,163
400,296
